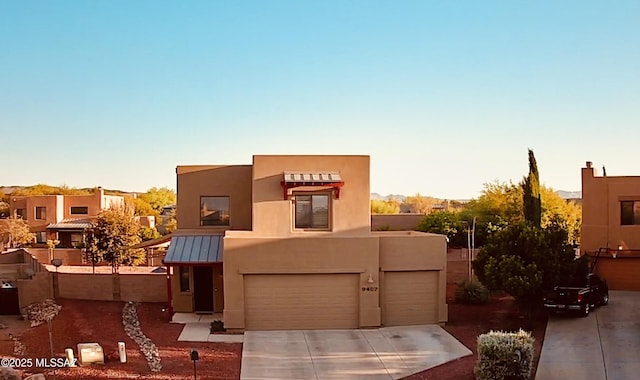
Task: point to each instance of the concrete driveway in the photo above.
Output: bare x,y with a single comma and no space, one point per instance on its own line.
386,353
602,346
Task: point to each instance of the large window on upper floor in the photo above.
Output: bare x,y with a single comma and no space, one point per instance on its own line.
214,211
41,213
629,213
79,210
311,211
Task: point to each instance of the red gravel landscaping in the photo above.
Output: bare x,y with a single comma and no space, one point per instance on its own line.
101,322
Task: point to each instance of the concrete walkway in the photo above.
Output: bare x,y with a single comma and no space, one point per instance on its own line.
602,346
197,328
386,353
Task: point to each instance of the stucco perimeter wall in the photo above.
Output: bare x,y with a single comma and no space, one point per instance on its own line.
36,289
395,222
214,180
414,251
246,255
69,256
109,287
272,214
601,197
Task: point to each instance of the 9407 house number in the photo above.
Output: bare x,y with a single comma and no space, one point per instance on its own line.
369,288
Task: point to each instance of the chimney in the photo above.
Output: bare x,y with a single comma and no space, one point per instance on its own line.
589,164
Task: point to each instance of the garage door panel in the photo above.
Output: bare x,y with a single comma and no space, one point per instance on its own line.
410,298
310,301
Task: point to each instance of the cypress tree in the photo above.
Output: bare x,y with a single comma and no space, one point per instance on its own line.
531,193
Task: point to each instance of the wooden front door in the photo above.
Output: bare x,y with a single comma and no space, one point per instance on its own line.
203,289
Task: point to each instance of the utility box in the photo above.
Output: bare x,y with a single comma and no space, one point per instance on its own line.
90,353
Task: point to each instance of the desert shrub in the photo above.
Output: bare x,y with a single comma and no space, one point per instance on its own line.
504,356
472,291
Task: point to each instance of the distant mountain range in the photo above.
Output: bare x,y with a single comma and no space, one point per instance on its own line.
562,193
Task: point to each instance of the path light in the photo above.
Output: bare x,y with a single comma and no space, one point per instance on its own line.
194,357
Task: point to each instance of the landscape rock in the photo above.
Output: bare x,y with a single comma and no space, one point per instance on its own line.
37,376
8,373
41,312
133,330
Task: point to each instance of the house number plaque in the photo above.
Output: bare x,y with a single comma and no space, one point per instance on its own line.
369,288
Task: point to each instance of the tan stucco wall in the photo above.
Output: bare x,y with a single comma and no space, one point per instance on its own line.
214,180
272,213
29,203
36,289
601,198
414,251
100,286
255,255
69,256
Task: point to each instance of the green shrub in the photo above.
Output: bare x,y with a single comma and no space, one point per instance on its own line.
472,291
503,356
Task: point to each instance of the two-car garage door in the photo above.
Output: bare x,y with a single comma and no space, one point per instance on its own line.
301,301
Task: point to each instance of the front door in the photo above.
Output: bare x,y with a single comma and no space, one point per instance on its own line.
203,289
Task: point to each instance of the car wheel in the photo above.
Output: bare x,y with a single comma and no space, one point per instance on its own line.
605,298
585,310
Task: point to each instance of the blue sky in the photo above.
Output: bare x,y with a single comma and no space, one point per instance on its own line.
444,96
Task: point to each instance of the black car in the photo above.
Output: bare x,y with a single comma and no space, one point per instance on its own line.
580,297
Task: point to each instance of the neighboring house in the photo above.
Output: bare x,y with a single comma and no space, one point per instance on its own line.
610,231
167,214
62,217
286,243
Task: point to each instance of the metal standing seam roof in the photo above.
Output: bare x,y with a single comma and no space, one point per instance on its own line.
317,177
71,224
194,249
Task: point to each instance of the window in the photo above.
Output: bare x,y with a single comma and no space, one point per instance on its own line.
41,237
311,211
20,213
630,213
77,240
84,210
214,211
184,279
41,213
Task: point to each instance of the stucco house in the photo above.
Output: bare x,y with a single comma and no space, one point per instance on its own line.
286,243
610,231
62,217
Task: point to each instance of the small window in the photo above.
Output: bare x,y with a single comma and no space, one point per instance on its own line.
41,213
20,213
630,213
214,211
311,211
41,237
184,279
79,210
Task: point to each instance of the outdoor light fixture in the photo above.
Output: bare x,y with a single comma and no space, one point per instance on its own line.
370,279
194,357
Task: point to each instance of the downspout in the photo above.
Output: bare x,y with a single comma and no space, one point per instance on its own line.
169,296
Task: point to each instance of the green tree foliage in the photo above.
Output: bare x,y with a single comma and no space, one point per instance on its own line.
445,223
531,193
526,261
501,204
148,233
114,231
42,189
4,205
140,207
157,198
420,204
380,206
16,232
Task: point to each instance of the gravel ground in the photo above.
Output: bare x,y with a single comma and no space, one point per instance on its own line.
101,322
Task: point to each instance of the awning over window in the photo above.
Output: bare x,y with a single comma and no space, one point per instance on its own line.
194,249
71,224
320,179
